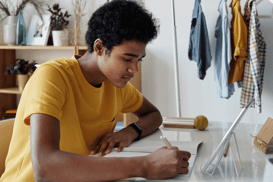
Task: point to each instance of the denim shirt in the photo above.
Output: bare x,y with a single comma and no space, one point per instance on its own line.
199,46
223,53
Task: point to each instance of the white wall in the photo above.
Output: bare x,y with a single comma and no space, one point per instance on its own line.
197,96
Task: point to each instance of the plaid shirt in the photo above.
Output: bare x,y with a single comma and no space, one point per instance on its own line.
255,64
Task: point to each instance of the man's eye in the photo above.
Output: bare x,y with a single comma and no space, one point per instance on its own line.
128,60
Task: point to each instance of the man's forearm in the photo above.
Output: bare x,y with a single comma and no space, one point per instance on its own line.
64,166
149,123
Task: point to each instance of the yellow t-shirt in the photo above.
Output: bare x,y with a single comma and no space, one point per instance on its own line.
86,113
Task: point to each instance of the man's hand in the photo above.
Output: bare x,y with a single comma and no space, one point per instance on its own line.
120,139
165,163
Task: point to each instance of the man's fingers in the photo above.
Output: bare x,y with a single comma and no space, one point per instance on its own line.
120,147
185,155
183,167
184,164
183,170
95,151
110,147
103,148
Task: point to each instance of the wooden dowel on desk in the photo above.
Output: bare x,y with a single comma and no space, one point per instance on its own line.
225,154
173,122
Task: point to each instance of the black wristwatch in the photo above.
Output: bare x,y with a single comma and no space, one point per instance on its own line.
138,129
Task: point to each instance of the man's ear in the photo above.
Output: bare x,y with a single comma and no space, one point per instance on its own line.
98,47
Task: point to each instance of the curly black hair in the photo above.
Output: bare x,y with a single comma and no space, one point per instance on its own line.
120,20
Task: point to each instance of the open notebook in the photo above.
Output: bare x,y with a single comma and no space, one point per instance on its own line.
144,147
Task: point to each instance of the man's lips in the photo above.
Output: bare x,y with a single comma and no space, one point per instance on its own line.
127,77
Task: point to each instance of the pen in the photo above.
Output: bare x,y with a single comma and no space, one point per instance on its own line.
225,154
167,143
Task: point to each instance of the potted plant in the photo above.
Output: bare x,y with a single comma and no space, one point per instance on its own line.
23,70
59,24
11,13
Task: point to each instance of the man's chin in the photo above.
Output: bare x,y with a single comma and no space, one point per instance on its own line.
121,85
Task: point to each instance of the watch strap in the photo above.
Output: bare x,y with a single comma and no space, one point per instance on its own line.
138,129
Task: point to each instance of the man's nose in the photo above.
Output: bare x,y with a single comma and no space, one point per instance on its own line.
133,68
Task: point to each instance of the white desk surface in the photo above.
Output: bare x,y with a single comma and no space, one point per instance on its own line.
253,160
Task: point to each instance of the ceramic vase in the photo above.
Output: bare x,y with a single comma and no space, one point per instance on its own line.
10,30
60,37
21,81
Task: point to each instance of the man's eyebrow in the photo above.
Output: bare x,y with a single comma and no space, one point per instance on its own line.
133,55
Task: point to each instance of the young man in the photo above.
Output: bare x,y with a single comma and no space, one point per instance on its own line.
73,105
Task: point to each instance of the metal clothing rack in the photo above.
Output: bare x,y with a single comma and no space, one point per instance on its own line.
176,65
262,16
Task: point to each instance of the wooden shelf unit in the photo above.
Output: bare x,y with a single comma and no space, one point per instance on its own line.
13,90
8,83
83,47
36,47
7,101
73,48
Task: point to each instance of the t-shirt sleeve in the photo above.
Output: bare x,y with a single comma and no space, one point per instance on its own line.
45,93
132,99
